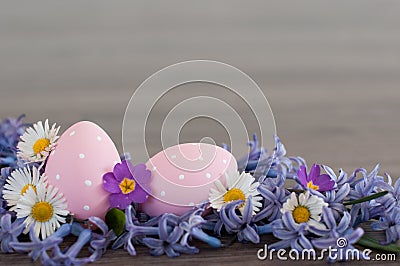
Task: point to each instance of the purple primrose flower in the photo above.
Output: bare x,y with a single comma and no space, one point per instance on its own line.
314,180
127,184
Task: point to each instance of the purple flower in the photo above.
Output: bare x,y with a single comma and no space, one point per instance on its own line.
9,232
390,223
174,233
100,242
275,195
243,226
260,163
281,165
343,244
292,234
70,256
127,184
10,131
278,164
39,248
342,179
340,236
3,202
364,187
168,241
335,199
391,200
49,252
192,227
314,180
134,230
333,227
249,162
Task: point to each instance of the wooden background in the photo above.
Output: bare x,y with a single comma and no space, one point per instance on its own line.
330,70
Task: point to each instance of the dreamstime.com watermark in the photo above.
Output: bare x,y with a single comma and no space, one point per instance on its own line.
331,253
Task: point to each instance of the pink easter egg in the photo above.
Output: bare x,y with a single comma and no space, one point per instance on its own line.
183,175
84,153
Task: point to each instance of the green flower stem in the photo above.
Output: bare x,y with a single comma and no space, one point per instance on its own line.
369,242
371,197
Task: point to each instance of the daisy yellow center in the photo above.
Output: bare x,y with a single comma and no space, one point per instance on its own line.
301,214
234,194
312,186
41,145
42,211
26,187
127,185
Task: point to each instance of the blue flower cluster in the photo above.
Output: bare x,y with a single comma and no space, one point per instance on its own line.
10,131
389,219
354,199
167,234
49,251
338,219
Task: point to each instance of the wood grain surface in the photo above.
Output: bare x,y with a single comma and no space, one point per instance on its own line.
330,71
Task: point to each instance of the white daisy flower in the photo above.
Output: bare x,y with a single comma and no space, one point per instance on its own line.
305,209
18,183
37,142
239,187
42,210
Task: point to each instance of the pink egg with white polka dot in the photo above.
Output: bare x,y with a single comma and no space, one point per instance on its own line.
84,153
183,175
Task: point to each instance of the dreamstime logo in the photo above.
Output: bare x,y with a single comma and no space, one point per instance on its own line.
341,242
339,253
135,131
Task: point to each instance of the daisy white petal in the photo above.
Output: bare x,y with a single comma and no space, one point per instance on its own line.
19,182
42,209
219,186
231,180
37,142
239,187
305,208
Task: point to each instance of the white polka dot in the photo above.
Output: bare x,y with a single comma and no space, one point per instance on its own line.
201,158
72,133
58,177
88,182
86,207
181,177
224,161
173,156
81,155
154,168
98,138
208,175
162,193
